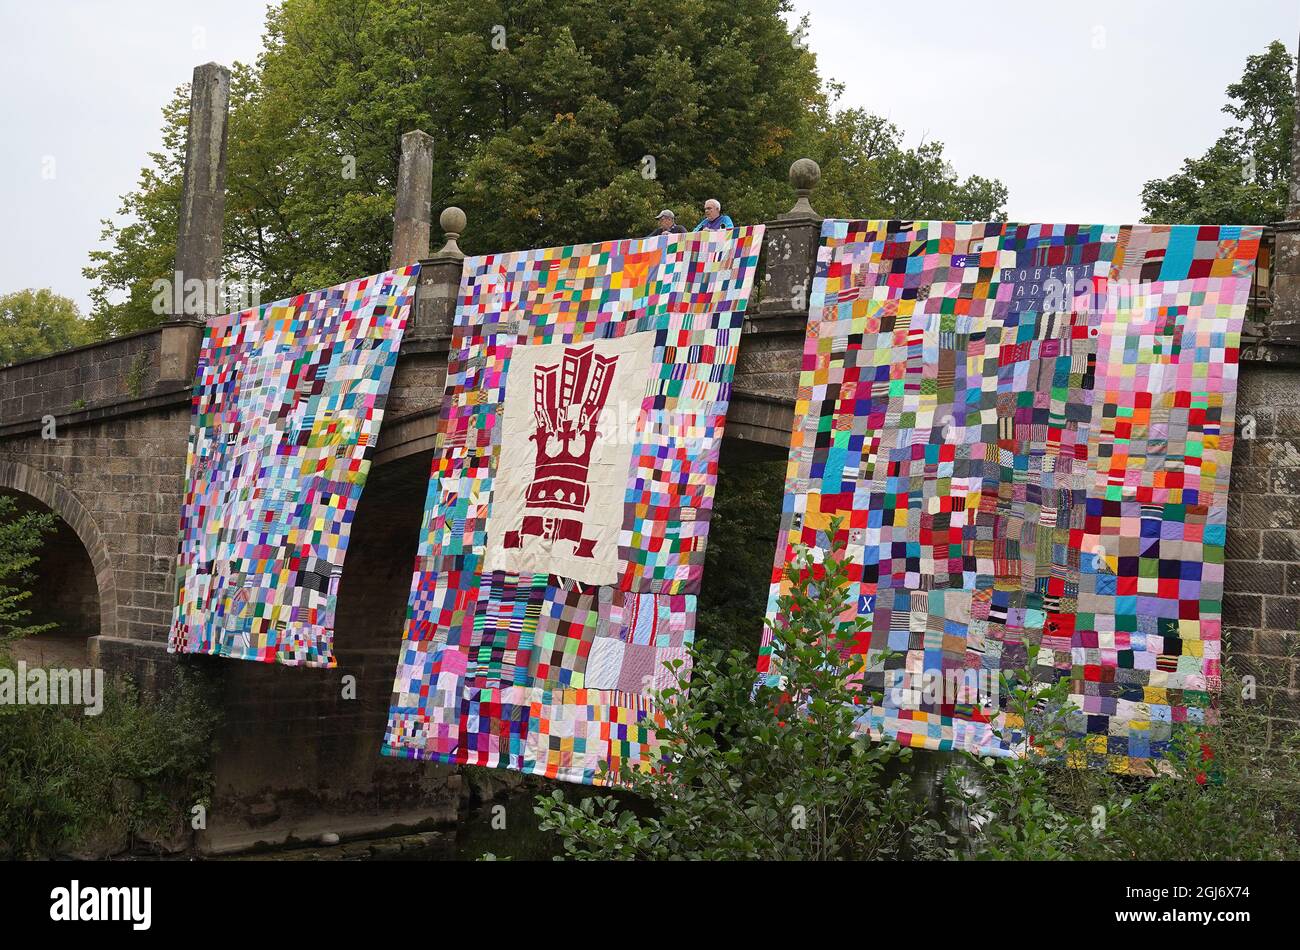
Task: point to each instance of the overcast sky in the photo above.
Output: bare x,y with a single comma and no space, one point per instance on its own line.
1073,105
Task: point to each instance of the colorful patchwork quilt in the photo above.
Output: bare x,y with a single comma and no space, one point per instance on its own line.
287,405
569,502
1026,431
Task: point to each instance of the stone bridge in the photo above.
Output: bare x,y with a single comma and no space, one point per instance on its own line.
98,436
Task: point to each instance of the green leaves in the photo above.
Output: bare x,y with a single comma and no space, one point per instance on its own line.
543,116
21,537
1243,177
36,322
761,773
868,172
95,783
1220,791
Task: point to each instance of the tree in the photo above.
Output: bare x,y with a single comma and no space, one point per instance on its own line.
21,537
554,122
143,249
867,172
765,773
37,322
1243,177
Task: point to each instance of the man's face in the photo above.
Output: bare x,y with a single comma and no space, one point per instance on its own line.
712,209
665,223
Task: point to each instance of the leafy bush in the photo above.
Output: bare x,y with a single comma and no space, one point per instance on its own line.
125,778
756,772
1223,792
21,536
1229,791
97,784
1010,808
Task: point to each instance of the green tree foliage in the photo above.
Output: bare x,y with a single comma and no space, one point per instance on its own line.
554,122
21,537
98,785
868,172
142,249
36,322
1243,177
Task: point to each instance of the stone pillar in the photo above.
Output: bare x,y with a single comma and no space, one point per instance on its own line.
1284,320
412,214
790,248
199,230
771,344
439,285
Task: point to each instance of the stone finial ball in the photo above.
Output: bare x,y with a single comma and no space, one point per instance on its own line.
452,220
804,174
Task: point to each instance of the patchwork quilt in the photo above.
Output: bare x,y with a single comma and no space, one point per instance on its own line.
1026,431
287,405
569,502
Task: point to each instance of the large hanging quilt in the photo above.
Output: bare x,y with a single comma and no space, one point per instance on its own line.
287,405
569,502
1026,430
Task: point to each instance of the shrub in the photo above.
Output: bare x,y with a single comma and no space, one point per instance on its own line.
21,536
124,778
755,772
1228,789
1006,808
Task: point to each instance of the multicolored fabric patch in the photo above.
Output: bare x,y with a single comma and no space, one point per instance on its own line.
287,405
1026,430
569,501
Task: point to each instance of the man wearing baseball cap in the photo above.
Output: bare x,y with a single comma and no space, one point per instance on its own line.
667,224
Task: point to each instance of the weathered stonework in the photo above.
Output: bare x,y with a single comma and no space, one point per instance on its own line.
412,212
1261,603
114,474
113,371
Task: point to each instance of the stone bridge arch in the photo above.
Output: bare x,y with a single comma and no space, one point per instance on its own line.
15,476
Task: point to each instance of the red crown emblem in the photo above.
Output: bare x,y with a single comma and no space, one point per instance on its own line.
567,402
